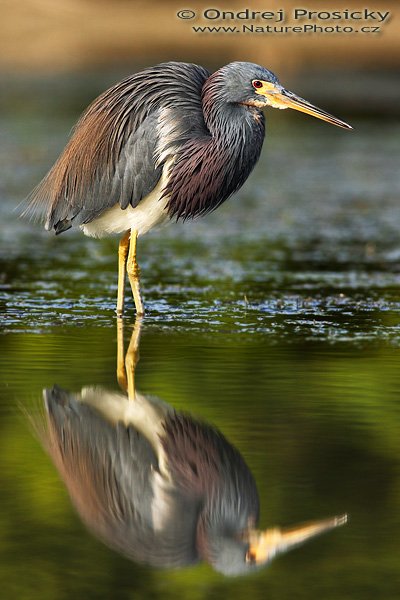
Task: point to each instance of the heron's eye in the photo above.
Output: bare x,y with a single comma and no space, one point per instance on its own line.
257,84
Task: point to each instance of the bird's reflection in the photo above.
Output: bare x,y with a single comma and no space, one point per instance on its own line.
157,485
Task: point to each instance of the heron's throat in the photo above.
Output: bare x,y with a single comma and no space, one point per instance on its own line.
221,548
229,120
237,130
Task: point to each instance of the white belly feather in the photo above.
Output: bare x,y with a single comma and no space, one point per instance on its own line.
150,212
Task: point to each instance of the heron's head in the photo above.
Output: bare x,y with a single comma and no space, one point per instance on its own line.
252,85
254,549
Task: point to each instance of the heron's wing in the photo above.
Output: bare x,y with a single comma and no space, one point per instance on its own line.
108,470
86,191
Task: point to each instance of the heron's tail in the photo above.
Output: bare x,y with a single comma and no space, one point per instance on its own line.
44,204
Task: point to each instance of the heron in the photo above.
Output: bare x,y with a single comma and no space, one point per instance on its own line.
157,485
169,143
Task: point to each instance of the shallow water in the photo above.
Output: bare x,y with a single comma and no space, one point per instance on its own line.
276,319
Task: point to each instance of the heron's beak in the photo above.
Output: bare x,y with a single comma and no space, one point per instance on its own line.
278,97
265,545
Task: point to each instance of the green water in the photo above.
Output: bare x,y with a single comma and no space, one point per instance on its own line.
276,319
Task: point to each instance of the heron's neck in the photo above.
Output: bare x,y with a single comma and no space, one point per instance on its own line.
229,508
220,544
228,121
214,165
240,128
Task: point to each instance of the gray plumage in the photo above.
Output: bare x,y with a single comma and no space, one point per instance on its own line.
113,476
173,111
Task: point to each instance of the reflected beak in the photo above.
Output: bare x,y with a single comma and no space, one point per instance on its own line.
265,545
278,97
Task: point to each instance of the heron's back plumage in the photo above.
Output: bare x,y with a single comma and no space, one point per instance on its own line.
119,145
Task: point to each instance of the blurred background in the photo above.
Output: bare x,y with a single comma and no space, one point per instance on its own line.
40,39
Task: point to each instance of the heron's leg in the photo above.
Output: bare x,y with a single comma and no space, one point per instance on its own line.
126,364
132,357
123,251
121,372
134,273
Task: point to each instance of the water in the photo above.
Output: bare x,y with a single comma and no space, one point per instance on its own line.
276,320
